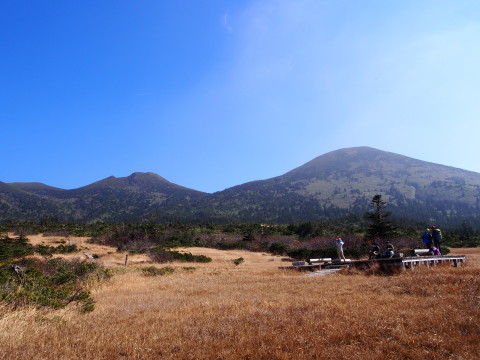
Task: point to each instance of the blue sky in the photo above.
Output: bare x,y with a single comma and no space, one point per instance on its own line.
212,94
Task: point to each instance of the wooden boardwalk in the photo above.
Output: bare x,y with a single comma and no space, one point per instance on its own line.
401,262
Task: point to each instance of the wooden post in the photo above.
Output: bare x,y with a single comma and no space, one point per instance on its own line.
126,259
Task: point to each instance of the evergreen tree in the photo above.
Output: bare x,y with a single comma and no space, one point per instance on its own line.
379,226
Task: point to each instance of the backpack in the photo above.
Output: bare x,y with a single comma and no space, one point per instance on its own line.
437,234
426,238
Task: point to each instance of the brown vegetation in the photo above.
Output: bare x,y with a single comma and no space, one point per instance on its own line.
256,311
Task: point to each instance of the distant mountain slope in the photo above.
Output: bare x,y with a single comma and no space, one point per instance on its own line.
136,196
112,199
334,184
36,188
16,203
345,180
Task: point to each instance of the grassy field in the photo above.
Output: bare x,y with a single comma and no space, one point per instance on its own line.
255,311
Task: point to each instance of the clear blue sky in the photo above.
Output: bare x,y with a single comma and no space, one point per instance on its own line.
212,94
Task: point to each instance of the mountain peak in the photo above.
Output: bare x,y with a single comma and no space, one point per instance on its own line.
347,159
139,178
358,150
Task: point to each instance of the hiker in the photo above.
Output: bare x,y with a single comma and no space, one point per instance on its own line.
389,251
427,238
339,244
437,238
374,251
435,251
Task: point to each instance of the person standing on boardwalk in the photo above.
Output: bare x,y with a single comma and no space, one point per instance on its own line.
427,238
339,244
437,238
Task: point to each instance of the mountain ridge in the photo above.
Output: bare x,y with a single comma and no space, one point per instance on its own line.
333,184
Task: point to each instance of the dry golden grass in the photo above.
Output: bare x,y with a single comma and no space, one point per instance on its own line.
255,311
108,256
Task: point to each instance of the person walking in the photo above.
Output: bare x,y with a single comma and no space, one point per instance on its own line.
339,244
437,238
427,238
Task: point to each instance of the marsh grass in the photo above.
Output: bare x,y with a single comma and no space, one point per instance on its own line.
156,271
256,311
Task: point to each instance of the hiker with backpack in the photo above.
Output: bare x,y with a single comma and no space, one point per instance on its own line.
427,238
437,238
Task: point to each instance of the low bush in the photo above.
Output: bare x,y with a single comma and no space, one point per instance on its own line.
188,257
162,255
445,250
300,254
154,271
47,250
278,248
238,261
53,283
11,248
223,245
189,268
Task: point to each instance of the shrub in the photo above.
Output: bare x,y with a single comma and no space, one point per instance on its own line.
278,248
188,257
11,248
445,250
154,271
238,261
300,254
88,307
54,283
329,252
223,245
47,250
189,268
353,253
161,255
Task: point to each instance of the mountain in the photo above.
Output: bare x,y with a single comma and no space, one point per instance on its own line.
18,203
111,199
136,196
334,184
344,181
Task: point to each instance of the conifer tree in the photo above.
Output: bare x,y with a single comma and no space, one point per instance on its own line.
379,226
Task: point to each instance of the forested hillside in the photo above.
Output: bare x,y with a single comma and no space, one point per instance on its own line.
336,184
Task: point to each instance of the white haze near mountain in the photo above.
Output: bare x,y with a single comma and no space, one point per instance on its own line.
306,77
